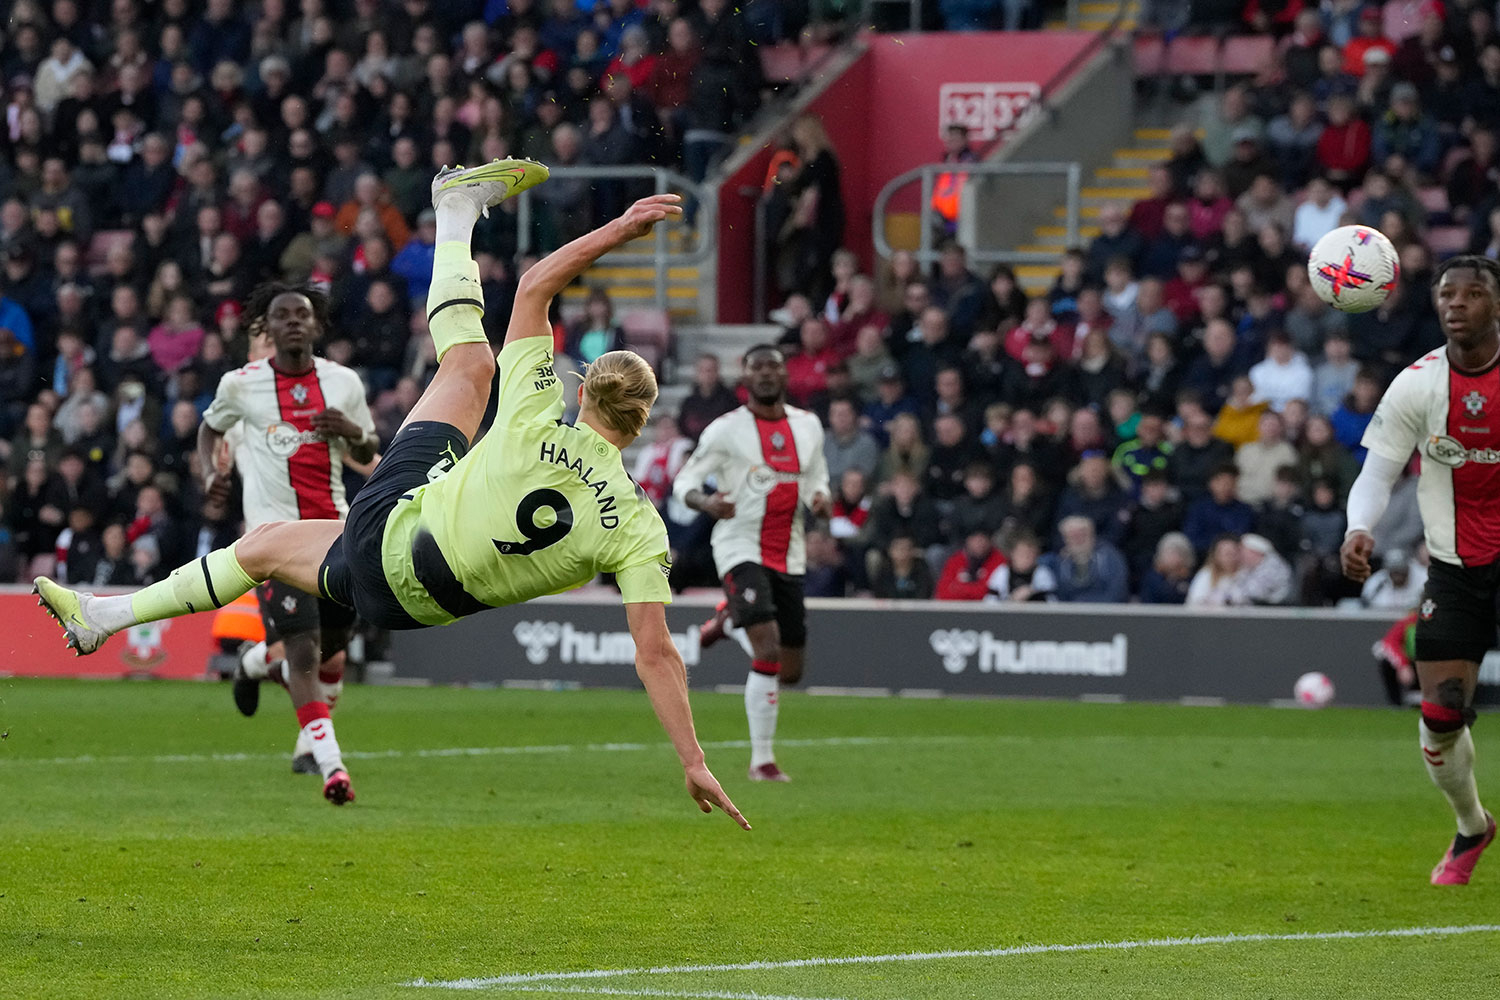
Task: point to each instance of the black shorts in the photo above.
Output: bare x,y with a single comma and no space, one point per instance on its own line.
757,594
287,611
1456,620
353,572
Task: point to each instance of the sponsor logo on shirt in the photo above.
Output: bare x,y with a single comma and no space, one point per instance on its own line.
762,479
283,439
1008,656
1450,452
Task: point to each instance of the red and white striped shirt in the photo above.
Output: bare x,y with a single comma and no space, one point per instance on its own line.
769,469
290,472
1452,419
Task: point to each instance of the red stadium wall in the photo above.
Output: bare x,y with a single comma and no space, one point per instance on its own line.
884,115
31,645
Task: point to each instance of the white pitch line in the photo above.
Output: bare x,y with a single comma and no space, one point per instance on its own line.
933,956
499,751
646,992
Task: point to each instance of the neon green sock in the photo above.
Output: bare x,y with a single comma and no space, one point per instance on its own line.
201,585
455,302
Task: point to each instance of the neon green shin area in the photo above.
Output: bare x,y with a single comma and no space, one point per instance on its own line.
455,303
202,585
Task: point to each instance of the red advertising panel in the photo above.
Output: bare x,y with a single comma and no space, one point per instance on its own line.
885,115
32,645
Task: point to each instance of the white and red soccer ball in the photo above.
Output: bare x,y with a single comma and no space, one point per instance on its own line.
1313,690
1354,268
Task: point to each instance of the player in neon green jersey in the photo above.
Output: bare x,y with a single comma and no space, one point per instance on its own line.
440,531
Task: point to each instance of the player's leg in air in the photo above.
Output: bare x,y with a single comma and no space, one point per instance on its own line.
1448,752
299,553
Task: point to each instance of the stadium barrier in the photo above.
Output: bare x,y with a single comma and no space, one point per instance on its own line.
866,647
913,648
31,645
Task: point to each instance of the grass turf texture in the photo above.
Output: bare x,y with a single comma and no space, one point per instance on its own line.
973,825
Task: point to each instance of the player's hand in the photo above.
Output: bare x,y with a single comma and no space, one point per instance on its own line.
640,217
719,507
820,505
705,790
1355,554
332,423
216,488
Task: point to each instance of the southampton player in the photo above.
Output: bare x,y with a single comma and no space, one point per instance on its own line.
766,459
440,531
295,417
1446,406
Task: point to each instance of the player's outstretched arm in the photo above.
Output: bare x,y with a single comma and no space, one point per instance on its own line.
660,668
557,270
1368,498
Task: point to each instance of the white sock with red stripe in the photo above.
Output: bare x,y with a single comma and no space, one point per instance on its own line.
1449,757
331,685
318,728
762,692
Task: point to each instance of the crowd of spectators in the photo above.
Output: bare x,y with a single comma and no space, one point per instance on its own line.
1178,418
159,159
1178,388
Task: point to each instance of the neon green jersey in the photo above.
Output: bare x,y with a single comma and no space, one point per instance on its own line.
537,507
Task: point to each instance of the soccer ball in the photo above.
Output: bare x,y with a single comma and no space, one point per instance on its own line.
1354,268
1313,690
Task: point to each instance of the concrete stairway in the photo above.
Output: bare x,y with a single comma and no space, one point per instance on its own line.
1122,181
1097,16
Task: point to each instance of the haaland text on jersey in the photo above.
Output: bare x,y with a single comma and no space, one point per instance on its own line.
558,455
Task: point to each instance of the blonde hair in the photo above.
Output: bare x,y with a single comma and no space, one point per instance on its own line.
621,388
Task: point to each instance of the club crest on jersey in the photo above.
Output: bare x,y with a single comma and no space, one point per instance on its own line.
1475,402
1428,609
299,393
289,604
778,440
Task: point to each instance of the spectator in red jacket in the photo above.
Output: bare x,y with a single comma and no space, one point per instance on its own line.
807,370
1369,37
966,574
1344,148
1146,215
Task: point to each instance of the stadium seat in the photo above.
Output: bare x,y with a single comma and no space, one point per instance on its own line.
648,332
782,63
1445,241
1434,200
1149,52
790,63
1246,55
102,243
1193,57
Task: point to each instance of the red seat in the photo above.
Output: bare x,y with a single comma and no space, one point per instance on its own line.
1193,57
1148,55
781,63
648,332
1434,200
1445,241
1247,55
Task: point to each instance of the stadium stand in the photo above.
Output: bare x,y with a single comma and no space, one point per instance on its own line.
160,159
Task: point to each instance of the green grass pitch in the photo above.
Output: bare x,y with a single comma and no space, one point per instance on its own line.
135,863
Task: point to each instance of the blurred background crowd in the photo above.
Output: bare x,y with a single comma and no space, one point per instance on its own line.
1177,419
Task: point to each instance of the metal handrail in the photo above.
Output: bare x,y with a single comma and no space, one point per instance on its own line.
705,220
926,254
